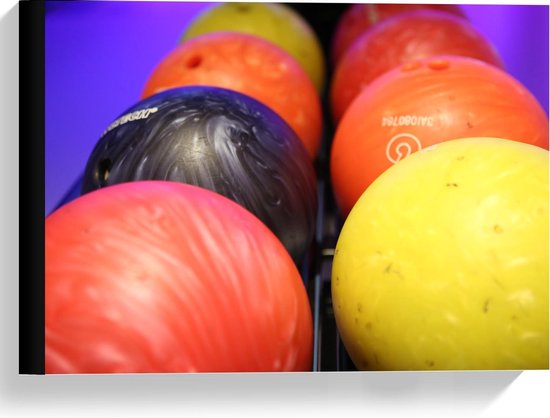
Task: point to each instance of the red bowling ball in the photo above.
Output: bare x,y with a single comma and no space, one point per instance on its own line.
400,39
360,17
164,277
426,102
249,65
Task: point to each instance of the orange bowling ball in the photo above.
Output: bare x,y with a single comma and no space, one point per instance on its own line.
404,37
165,277
249,65
426,102
360,17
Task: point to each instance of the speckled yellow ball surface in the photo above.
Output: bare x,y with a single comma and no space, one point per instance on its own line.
276,23
443,262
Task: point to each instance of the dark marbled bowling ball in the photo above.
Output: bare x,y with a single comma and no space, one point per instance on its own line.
220,140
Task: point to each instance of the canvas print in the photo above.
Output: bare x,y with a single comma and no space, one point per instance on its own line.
295,187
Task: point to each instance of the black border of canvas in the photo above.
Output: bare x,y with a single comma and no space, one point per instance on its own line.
31,188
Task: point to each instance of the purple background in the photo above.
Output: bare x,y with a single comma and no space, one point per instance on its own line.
99,55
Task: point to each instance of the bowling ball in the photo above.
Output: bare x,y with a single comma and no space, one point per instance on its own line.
223,141
249,65
163,277
422,103
398,40
276,23
357,18
443,262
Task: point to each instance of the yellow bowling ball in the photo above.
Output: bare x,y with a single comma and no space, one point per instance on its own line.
442,264
276,23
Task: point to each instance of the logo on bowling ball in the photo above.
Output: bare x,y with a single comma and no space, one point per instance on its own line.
402,145
137,115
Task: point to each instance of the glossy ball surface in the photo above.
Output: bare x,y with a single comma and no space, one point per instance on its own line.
360,17
223,141
400,39
422,103
162,277
274,22
443,262
249,65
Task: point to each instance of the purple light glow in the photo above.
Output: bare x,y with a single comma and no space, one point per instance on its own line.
520,35
99,55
